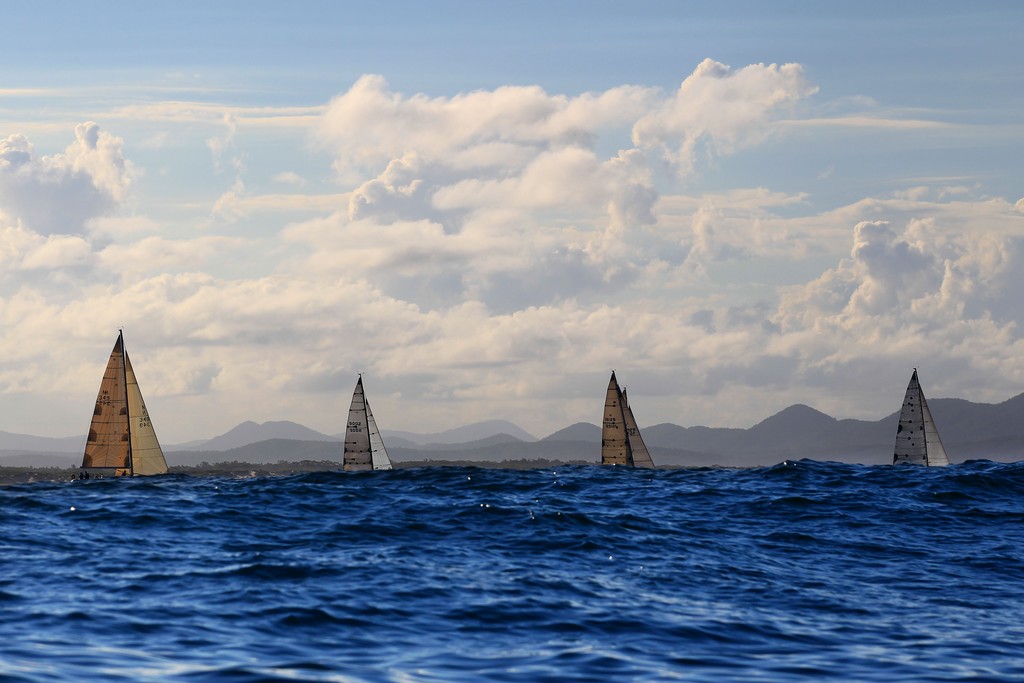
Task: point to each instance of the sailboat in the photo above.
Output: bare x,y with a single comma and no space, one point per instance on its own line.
364,446
121,441
917,439
621,442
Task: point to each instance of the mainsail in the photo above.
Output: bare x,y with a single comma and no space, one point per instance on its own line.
364,446
917,439
121,441
621,443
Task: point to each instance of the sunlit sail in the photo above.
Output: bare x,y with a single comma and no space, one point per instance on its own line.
121,441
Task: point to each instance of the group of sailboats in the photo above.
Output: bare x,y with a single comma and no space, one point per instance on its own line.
917,438
122,441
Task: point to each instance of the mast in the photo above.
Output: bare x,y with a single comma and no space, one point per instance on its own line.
127,404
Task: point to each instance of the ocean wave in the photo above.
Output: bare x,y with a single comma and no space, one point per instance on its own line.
805,570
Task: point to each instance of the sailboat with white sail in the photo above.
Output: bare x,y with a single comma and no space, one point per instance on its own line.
122,441
364,446
621,442
917,438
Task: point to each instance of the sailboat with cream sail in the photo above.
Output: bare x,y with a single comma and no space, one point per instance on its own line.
621,442
917,438
122,441
364,446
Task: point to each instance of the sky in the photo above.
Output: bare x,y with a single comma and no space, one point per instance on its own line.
486,207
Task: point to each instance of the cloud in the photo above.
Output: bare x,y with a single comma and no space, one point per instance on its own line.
370,125
495,253
59,194
722,108
23,250
289,178
189,112
151,255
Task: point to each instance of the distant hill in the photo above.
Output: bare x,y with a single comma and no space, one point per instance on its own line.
262,452
252,432
471,432
969,430
16,442
581,431
15,458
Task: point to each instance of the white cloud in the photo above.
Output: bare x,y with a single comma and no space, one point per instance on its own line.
369,125
60,193
722,108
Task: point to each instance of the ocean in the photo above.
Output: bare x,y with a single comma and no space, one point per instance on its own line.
810,571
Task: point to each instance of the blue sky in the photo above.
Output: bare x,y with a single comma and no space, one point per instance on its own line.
485,207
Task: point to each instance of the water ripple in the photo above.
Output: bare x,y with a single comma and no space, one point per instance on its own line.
802,571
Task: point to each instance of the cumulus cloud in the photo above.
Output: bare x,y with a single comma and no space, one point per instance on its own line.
369,125
722,108
491,168
59,194
517,170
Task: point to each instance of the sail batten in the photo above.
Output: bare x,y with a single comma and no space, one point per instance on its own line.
917,437
364,446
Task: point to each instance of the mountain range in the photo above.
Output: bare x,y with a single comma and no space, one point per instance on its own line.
969,431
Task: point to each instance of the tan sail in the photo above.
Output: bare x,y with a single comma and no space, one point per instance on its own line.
364,446
122,441
614,439
640,455
147,456
108,444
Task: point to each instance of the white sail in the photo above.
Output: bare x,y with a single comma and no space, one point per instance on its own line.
121,439
640,455
614,439
378,452
936,453
364,446
917,439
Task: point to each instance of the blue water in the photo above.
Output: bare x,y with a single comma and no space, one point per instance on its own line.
802,571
